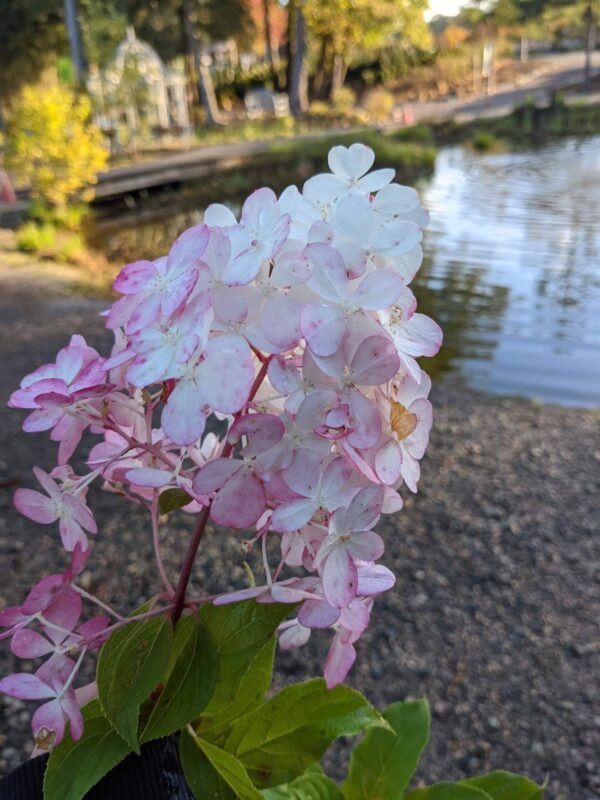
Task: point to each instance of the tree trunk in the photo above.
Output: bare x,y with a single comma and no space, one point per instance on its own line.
318,85
202,77
298,85
75,39
338,75
269,50
589,43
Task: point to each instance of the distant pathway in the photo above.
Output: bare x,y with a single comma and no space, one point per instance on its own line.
555,72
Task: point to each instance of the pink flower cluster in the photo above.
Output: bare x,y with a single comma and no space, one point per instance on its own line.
296,325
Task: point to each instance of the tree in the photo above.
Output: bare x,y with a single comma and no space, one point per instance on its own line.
104,26
297,64
345,28
183,28
32,33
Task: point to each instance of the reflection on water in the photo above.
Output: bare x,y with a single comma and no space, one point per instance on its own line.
512,271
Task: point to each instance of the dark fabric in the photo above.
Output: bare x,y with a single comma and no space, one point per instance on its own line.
154,775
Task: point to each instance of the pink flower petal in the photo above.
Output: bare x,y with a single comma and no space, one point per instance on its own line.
318,614
262,431
379,289
375,361
36,506
322,327
30,644
215,474
188,248
240,502
147,476
227,373
374,579
26,687
135,277
365,508
340,578
292,515
294,635
183,418
49,717
340,659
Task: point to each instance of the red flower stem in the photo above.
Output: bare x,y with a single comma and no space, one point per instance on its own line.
262,372
190,556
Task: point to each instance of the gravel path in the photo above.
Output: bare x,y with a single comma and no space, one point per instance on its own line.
496,614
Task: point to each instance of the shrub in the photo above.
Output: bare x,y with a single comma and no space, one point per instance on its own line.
69,218
52,145
34,238
68,248
484,141
343,100
379,103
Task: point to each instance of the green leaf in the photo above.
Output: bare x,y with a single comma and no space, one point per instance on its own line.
313,785
448,791
211,772
189,684
382,764
130,666
506,786
74,767
278,740
172,499
249,694
244,638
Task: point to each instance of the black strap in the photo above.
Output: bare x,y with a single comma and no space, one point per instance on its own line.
154,775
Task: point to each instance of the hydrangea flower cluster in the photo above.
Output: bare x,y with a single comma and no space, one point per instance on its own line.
297,326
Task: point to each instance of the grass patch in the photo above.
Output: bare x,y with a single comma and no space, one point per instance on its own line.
407,157
484,142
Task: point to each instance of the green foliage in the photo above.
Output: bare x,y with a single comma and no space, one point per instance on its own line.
69,218
74,767
103,25
385,760
34,238
420,133
159,23
343,100
448,791
312,785
212,772
407,157
52,145
208,680
506,786
379,103
172,499
68,248
32,33
189,683
48,241
130,666
243,635
278,740
350,26
484,141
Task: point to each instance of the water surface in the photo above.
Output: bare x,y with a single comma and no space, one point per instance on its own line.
512,267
